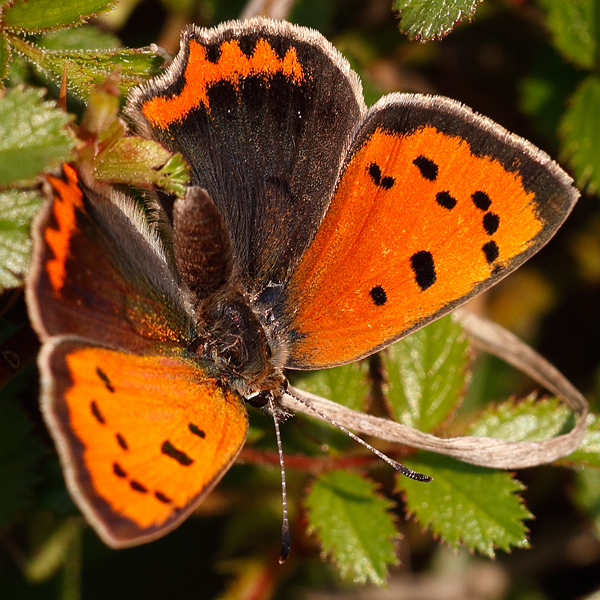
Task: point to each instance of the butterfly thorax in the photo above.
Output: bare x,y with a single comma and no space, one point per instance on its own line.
229,337
233,340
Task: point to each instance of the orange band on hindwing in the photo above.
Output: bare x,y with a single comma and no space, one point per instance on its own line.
232,66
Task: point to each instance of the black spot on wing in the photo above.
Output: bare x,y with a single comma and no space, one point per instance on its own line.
121,441
119,471
429,170
105,380
481,200
181,457
375,173
196,430
96,412
383,182
491,222
445,200
162,498
423,267
137,486
378,295
490,249
387,182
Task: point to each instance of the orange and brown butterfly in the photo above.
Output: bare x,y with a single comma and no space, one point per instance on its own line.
314,233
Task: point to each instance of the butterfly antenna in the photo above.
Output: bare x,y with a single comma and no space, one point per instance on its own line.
286,538
390,461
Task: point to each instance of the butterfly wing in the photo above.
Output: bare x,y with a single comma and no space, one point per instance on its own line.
98,271
263,112
142,439
143,430
434,205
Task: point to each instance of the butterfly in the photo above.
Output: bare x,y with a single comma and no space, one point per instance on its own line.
314,232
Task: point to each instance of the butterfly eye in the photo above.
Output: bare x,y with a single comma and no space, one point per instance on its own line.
259,400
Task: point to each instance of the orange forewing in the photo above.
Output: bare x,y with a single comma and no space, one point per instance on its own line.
68,200
142,439
81,281
385,212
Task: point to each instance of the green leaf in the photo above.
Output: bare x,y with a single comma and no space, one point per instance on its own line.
353,525
466,504
45,14
533,421
16,210
347,385
587,495
528,420
432,19
545,89
20,452
427,373
89,68
140,161
55,550
588,454
33,135
79,38
581,139
574,29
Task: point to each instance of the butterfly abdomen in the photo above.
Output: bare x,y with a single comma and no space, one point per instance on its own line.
201,244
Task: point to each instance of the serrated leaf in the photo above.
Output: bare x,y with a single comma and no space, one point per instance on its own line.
87,69
588,454
347,385
20,453
33,135
527,420
353,525
16,210
581,141
432,19
45,14
573,26
465,504
426,373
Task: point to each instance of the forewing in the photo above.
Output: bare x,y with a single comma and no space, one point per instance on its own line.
434,205
142,439
263,111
